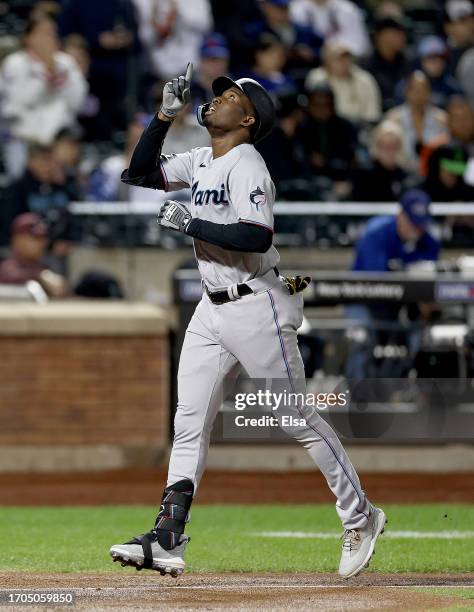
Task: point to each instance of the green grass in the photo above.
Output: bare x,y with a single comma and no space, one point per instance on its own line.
78,539
463,593
460,593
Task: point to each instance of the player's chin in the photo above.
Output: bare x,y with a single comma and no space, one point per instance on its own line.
208,119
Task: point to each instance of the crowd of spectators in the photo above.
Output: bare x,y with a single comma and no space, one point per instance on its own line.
371,98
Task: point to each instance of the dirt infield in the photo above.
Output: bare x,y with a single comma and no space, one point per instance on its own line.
144,486
244,591
137,590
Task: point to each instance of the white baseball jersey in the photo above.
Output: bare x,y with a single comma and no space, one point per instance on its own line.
235,187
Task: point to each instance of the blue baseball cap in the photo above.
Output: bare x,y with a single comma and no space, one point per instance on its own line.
215,45
416,205
281,3
432,45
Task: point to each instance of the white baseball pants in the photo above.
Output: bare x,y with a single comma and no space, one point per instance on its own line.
257,332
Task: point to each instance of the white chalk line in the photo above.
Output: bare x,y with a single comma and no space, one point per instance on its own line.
227,587
395,535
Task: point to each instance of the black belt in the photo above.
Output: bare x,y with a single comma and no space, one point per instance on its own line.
222,297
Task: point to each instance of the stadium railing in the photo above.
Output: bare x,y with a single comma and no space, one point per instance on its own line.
322,224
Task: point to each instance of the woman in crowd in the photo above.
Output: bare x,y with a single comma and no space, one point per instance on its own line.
43,91
419,120
384,180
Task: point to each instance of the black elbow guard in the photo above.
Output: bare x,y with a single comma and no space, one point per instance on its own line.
153,181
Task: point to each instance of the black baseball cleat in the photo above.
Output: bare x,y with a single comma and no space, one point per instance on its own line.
145,552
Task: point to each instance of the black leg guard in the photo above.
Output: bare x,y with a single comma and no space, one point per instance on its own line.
171,519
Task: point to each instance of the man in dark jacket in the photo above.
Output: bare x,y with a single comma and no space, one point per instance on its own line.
44,189
328,140
111,30
387,63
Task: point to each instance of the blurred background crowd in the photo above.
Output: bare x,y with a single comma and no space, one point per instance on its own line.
374,100
384,88
372,97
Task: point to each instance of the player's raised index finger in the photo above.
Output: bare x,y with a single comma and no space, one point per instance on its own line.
189,72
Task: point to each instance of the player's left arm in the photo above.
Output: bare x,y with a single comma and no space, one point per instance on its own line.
241,236
244,237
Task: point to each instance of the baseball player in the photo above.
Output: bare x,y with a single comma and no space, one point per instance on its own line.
248,315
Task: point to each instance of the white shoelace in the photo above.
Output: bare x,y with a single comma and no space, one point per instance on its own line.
350,539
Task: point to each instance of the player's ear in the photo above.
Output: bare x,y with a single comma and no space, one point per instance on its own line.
248,120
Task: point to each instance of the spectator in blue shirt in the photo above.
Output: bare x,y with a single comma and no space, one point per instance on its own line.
390,243
394,242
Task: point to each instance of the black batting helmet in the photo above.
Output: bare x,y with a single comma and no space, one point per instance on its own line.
257,95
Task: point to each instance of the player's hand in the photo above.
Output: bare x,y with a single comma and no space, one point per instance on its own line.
177,93
296,284
174,215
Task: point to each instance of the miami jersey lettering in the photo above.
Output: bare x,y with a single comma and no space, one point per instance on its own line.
233,188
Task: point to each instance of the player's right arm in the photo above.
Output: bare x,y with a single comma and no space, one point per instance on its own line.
146,169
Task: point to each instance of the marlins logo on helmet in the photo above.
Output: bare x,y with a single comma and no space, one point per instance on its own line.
257,197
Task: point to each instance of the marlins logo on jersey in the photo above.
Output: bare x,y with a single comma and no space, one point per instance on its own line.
257,197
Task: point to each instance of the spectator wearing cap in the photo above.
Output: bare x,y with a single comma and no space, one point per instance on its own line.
387,63
43,90
329,142
29,241
459,28
420,120
268,66
393,242
171,31
339,20
432,56
214,62
45,189
356,92
390,243
384,179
